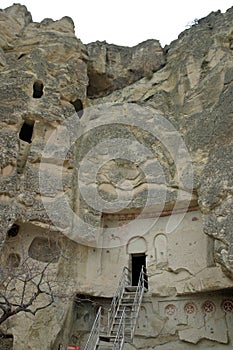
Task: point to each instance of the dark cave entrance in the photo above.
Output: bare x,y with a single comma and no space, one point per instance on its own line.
78,106
13,230
26,131
137,262
38,89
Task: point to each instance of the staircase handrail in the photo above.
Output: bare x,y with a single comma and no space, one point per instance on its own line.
137,300
120,335
93,338
124,279
119,338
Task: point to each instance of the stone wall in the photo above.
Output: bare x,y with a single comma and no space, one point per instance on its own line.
107,152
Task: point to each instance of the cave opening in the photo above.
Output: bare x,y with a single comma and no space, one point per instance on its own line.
138,261
26,131
78,106
13,230
38,87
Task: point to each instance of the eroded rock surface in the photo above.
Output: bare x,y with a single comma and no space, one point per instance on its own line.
44,75
194,91
58,160
112,67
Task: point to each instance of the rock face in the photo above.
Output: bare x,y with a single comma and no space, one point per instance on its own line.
48,61
109,153
112,67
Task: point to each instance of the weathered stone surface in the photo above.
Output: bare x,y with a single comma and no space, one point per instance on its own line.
78,186
194,91
112,67
13,20
48,53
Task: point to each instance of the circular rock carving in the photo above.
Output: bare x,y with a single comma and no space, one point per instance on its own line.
190,308
208,306
170,309
227,305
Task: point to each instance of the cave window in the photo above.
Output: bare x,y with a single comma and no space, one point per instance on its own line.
13,231
26,131
78,106
38,89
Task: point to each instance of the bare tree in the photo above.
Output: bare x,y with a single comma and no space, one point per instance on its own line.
27,288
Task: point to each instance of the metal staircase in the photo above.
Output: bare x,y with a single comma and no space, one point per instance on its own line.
122,315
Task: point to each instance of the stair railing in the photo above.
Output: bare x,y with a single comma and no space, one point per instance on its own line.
124,281
120,336
119,340
93,338
137,301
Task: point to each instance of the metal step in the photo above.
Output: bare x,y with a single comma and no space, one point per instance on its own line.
106,338
106,341
130,288
127,324
128,308
130,318
127,300
117,324
128,297
104,346
127,332
115,331
124,305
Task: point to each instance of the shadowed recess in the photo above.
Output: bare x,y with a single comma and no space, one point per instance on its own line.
26,131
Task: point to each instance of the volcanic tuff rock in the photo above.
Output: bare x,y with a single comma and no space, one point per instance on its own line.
112,67
194,91
45,56
46,75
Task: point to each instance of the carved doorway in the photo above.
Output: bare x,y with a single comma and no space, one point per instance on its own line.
137,262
